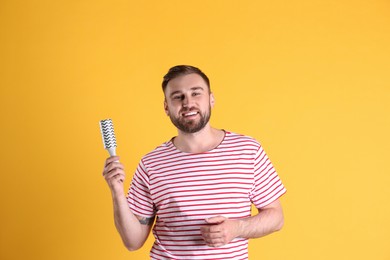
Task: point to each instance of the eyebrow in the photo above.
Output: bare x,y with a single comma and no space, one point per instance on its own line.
178,91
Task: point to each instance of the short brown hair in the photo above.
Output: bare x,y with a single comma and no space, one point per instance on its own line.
181,70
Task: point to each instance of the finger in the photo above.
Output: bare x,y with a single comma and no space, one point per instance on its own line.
115,179
214,242
216,245
211,236
212,229
215,220
119,178
112,159
210,232
109,161
112,166
113,173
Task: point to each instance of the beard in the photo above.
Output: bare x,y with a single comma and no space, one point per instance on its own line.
191,126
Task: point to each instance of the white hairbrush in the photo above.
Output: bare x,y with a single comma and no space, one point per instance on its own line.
108,135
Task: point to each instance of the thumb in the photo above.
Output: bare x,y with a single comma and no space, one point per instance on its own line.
215,220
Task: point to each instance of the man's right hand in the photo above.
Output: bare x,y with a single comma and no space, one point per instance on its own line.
114,174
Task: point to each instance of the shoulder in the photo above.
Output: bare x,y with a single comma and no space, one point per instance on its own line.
162,151
240,139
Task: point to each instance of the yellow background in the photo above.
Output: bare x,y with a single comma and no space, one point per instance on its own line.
309,79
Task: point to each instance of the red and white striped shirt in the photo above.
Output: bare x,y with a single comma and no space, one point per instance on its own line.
183,189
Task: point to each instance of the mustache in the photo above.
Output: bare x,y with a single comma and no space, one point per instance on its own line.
191,109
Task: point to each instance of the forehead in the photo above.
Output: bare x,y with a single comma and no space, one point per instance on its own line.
185,83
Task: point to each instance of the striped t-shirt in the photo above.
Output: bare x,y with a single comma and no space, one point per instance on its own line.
183,189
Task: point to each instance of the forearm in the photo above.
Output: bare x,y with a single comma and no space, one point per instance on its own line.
222,230
133,234
133,229
265,222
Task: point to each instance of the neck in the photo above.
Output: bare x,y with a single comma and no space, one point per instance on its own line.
202,141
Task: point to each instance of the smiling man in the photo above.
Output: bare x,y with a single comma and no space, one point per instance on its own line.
182,92
199,186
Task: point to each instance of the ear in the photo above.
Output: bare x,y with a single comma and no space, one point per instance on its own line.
166,107
212,100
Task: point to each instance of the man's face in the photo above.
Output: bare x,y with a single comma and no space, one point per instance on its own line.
188,102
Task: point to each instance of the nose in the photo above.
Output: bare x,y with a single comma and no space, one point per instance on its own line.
186,101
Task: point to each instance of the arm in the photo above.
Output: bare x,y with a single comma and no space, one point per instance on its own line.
133,229
268,220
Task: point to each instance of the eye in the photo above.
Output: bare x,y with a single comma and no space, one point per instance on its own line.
178,97
195,94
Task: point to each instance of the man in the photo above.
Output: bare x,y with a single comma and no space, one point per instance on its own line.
199,186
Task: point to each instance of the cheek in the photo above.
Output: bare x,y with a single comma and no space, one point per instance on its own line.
170,110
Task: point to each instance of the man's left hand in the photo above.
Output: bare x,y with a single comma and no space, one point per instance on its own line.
220,231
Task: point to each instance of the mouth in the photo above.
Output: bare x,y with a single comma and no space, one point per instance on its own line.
190,114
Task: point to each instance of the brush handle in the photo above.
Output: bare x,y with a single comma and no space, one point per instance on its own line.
112,151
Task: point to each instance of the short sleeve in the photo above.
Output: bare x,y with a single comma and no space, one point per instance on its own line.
139,197
267,186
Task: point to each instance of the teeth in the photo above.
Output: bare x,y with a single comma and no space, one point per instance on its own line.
190,113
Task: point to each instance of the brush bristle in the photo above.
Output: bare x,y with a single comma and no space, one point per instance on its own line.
108,135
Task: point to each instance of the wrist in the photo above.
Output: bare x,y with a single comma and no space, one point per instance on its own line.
242,227
117,193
